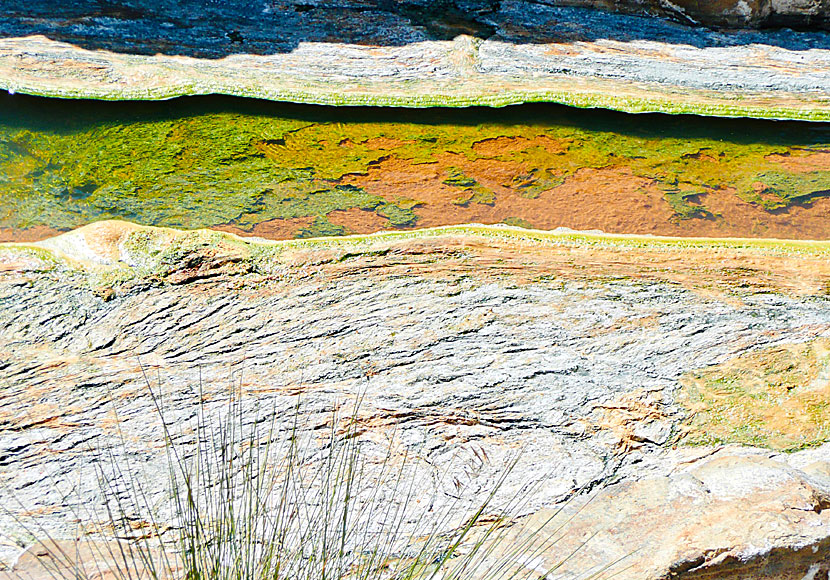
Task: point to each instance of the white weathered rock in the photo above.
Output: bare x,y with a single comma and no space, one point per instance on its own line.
463,346
425,55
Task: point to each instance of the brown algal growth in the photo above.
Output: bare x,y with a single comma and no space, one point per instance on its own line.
32,234
500,146
611,199
803,163
358,221
278,229
737,218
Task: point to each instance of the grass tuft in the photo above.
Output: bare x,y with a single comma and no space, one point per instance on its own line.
255,495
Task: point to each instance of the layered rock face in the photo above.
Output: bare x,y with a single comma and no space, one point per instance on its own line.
418,55
804,14
441,17
464,345
670,396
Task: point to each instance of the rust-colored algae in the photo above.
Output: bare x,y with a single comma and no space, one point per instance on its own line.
283,172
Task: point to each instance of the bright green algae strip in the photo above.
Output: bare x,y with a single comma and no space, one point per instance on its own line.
559,238
204,162
328,96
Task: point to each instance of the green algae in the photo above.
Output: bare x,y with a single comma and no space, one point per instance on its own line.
409,94
207,162
321,227
683,200
517,223
794,188
775,397
534,183
471,190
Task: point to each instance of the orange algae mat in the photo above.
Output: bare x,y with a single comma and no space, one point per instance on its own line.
284,171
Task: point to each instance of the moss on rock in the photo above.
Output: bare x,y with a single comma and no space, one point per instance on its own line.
776,397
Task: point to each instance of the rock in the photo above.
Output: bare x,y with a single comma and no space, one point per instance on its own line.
735,514
61,560
804,14
464,344
423,54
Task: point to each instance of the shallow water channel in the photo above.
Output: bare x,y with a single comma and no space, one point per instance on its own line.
284,171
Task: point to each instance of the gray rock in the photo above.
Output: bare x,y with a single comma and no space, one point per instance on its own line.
457,364
423,54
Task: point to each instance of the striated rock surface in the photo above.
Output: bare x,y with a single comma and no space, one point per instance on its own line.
732,513
421,54
460,341
731,13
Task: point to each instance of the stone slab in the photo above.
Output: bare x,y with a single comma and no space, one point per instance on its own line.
463,343
365,54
